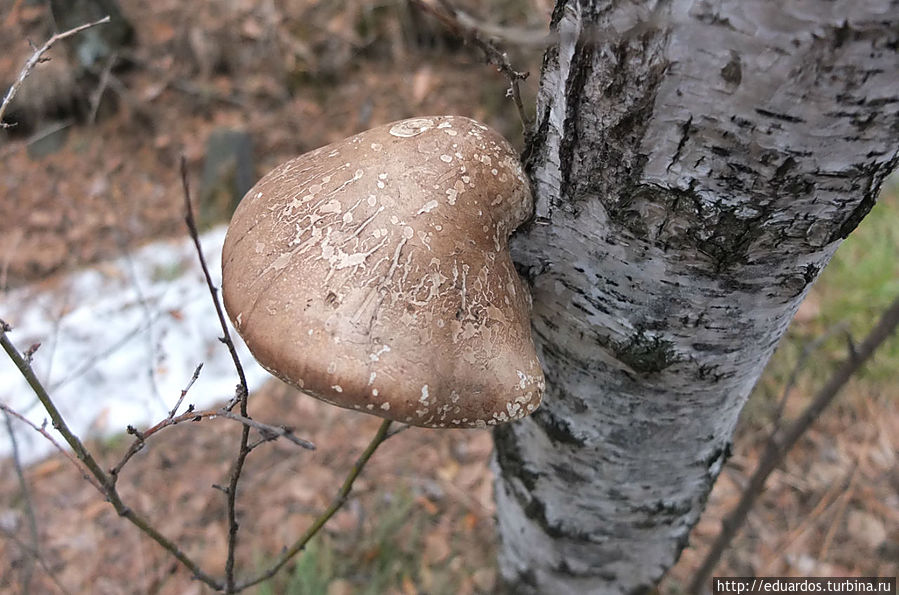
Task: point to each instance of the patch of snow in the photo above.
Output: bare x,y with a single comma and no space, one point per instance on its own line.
119,341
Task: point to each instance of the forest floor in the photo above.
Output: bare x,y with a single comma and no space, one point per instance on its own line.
420,519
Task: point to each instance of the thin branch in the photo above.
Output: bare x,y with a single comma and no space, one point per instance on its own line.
466,28
18,235
140,437
539,38
269,432
55,416
203,92
103,483
807,352
29,507
380,436
241,395
36,553
845,497
184,390
97,95
780,442
91,362
35,59
125,251
242,389
115,84
42,430
231,496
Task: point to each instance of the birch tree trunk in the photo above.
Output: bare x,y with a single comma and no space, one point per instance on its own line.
692,177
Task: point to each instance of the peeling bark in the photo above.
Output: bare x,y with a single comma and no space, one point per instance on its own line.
692,180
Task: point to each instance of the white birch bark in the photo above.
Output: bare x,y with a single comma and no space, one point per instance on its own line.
692,180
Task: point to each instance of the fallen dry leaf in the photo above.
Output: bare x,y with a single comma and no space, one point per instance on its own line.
437,546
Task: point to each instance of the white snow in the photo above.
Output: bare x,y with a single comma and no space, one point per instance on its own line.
119,341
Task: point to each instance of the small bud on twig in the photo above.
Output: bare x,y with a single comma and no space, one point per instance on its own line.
29,353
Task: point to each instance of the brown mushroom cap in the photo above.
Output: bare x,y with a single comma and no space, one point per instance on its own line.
374,273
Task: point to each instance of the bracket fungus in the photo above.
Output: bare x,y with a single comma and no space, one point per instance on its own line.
374,274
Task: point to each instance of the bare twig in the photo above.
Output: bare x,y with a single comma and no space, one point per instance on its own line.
380,436
184,390
191,223
35,58
130,268
807,352
42,430
40,559
101,480
140,437
231,496
117,86
780,442
539,38
56,417
94,360
240,396
845,498
269,432
97,95
466,28
18,235
831,495
205,93
34,552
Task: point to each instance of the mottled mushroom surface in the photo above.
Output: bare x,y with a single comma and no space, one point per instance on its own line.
374,273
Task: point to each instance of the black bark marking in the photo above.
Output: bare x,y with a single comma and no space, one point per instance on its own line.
568,474
556,17
732,73
663,512
713,18
875,175
684,136
581,65
606,575
508,456
792,284
841,35
856,216
784,168
718,457
531,155
777,116
708,373
536,510
558,430
625,92
811,273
